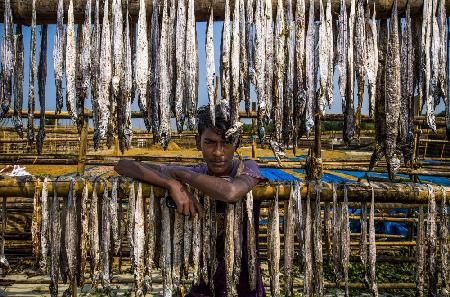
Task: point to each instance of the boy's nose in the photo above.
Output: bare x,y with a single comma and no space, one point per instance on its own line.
218,151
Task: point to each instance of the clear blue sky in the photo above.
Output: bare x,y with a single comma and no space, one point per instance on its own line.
202,92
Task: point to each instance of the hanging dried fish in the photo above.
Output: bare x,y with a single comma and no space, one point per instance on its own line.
274,247
290,68
54,239
18,80
42,77
196,248
318,257
392,95
187,244
32,76
191,65
84,234
372,261
229,250
270,51
80,97
206,238
251,241
58,55
442,77
289,233
139,242
105,247
249,45
328,230
210,65
171,48
337,223
444,241
260,72
347,104
330,38
64,268
36,222
420,255
152,105
164,82
380,111
435,49
85,57
3,261
299,83
323,61
342,54
71,235
131,220
345,240
432,243
180,32
94,238
117,49
279,71
360,50
166,246
238,243
308,273
406,128
299,222
7,59
372,60
244,82
43,263
178,228
114,217
70,64
309,60
363,240
95,73
150,246
235,66
426,38
125,126
225,58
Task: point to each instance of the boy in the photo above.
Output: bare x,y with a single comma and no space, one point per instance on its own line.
216,177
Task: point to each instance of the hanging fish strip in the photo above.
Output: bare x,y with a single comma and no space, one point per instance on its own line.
84,234
345,240
32,77
270,51
279,71
95,73
251,241
187,245
166,244
328,233
180,31
337,223
18,80
105,238
372,60
71,234
244,82
310,82
342,53
210,65
58,56
54,240
42,78
426,38
139,242
317,237
238,231
259,62
94,238
299,222
36,222
249,44
206,239
114,216
360,49
191,65
323,61
290,68
363,239
196,246
444,241
225,63
178,228
7,59
299,77
372,255
70,63
308,258
235,66
3,261
289,234
432,244
229,250
420,255
43,263
152,105
150,237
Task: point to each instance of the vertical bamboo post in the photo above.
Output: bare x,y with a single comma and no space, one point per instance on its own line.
83,147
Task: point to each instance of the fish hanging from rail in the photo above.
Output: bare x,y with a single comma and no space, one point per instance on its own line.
54,240
360,49
289,234
341,57
95,73
363,240
32,76
444,241
3,261
251,241
43,263
432,244
94,237
225,57
70,64
244,82
80,97
308,257
36,222
229,250
345,240
279,71
71,234
42,78
249,44
260,72
210,65
18,80
234,100
289,76
7,60
372,59
270,53
191,67
317,241
105,239
274,246
372,254
206,238
58,56
180,54
139,243
177,259
238,241
299,222
310,75
323,61
84,233
151,241
337,252
426,38
166,243
420,254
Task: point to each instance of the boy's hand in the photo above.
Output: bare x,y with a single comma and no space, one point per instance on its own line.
185,201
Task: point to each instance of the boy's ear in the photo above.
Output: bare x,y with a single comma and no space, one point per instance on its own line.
198,142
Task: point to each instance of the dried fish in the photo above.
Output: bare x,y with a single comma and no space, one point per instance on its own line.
166,246
426,38
70,64
84,233
225,58
229,250
196,245
210,65
345,240
187,244
131,220
337,223
85,56
152,106
330,41
63,267
7,59
206,238
442,79
191,65
323,61
235,66
238,240
105,237
289,233
18,80
43,263
80,97
308,273
95,73
279,71
180,32
117,48
309,62
420,255
299,84
360,50
42,77
274,246
36,222
299,222
244,82
432,244
125,126
164,81
94,238
328,233
139,242
372,261
444,242
342,54
3,261
406,128
259,61
270,51
178,228
318,257
372,60
363,240
32,76
290,68
249,44
150,246
251,241
71,235
114,217
58,55
392,95
54,239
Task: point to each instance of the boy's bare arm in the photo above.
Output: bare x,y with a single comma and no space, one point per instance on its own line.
216,187
151,173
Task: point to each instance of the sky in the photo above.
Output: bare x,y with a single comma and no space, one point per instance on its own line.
138,123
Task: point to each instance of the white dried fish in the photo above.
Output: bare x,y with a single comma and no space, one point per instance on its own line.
191,65
180,32
238,231
270,51
308,265
84,233
95,73
360,50
244,82
372,249
187,244
43,263
225,63
289,75
317,238
324,60
289,233
117,46
310,75
279,71
18,81
251,241
426,38
32,76
299,87
444,241
249,44
259,61
229,250
210,65
166,244
94,237
70,63
153,93
196,246
235,66
337,223
7,59
345,240
372,60
105,237
42,78
141,67
432,244
58,56
114,217
54,239
139,242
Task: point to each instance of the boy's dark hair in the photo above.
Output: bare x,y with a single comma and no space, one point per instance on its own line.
222,122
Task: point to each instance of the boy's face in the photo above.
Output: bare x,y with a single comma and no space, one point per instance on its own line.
217,152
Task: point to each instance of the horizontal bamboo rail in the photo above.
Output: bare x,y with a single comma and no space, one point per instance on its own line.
357,192
46,10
